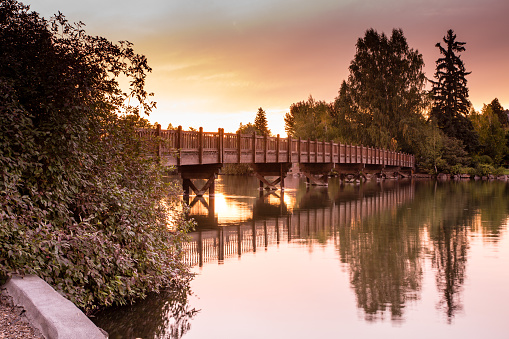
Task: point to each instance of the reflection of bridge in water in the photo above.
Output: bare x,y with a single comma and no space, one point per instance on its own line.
311,220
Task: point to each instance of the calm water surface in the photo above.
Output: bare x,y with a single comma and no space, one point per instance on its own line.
388,260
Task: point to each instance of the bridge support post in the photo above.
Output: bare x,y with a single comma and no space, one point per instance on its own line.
316,173
191,172
356,171
278,170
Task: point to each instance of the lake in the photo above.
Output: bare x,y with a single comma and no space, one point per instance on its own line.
389,259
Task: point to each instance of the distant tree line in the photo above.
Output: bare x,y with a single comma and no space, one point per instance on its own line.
384,104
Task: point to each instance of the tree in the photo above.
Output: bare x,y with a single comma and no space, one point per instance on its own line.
80,204
260,122
491,134
384,97
451,106
248,128
499,111
310,119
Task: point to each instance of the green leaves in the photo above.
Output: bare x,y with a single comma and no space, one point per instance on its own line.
80,206
384,92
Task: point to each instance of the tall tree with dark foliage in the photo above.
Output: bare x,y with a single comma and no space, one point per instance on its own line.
451,105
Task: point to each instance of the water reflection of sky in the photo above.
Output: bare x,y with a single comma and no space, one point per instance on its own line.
235,208
227,208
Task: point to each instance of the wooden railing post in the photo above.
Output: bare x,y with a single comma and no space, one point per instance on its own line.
323,151
332,152
220,145
277,149
200,146
309,150
299,150
158,138
265,147
179,145
254,147
239,147
289,155
316,150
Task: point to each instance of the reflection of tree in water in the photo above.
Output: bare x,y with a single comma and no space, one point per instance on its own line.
385,267
492,201
384,251
450,245
454,210
162,316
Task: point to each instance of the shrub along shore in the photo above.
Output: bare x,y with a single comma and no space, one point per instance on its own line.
80,205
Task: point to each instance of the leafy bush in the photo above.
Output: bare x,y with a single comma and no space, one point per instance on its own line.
484,169
482,159
79,204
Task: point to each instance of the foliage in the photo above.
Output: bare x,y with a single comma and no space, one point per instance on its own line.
383,100
260,122
248,128
491,134
428,150
451,106
310,119
499,111
437,153
80,206
236,169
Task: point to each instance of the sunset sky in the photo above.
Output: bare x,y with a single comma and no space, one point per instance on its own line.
215,62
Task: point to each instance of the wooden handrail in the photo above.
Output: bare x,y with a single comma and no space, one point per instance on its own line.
220,147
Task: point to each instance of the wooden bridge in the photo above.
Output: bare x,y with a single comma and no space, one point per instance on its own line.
229,241
200,155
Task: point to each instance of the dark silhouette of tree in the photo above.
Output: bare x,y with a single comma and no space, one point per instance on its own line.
260,122
499,111
384,97
451,106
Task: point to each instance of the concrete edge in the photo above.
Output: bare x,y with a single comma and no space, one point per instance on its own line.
49,312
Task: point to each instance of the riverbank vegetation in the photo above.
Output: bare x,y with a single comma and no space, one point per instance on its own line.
384,103
80,205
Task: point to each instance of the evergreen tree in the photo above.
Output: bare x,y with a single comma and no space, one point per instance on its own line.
261,122
451,106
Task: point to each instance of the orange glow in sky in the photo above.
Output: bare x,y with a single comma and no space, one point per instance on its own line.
216,62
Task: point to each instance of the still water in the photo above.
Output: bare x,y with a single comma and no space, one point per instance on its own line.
392,259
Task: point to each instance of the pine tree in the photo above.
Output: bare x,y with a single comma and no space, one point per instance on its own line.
450,93
261,122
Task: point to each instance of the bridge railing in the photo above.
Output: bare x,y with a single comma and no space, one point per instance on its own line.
178,147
